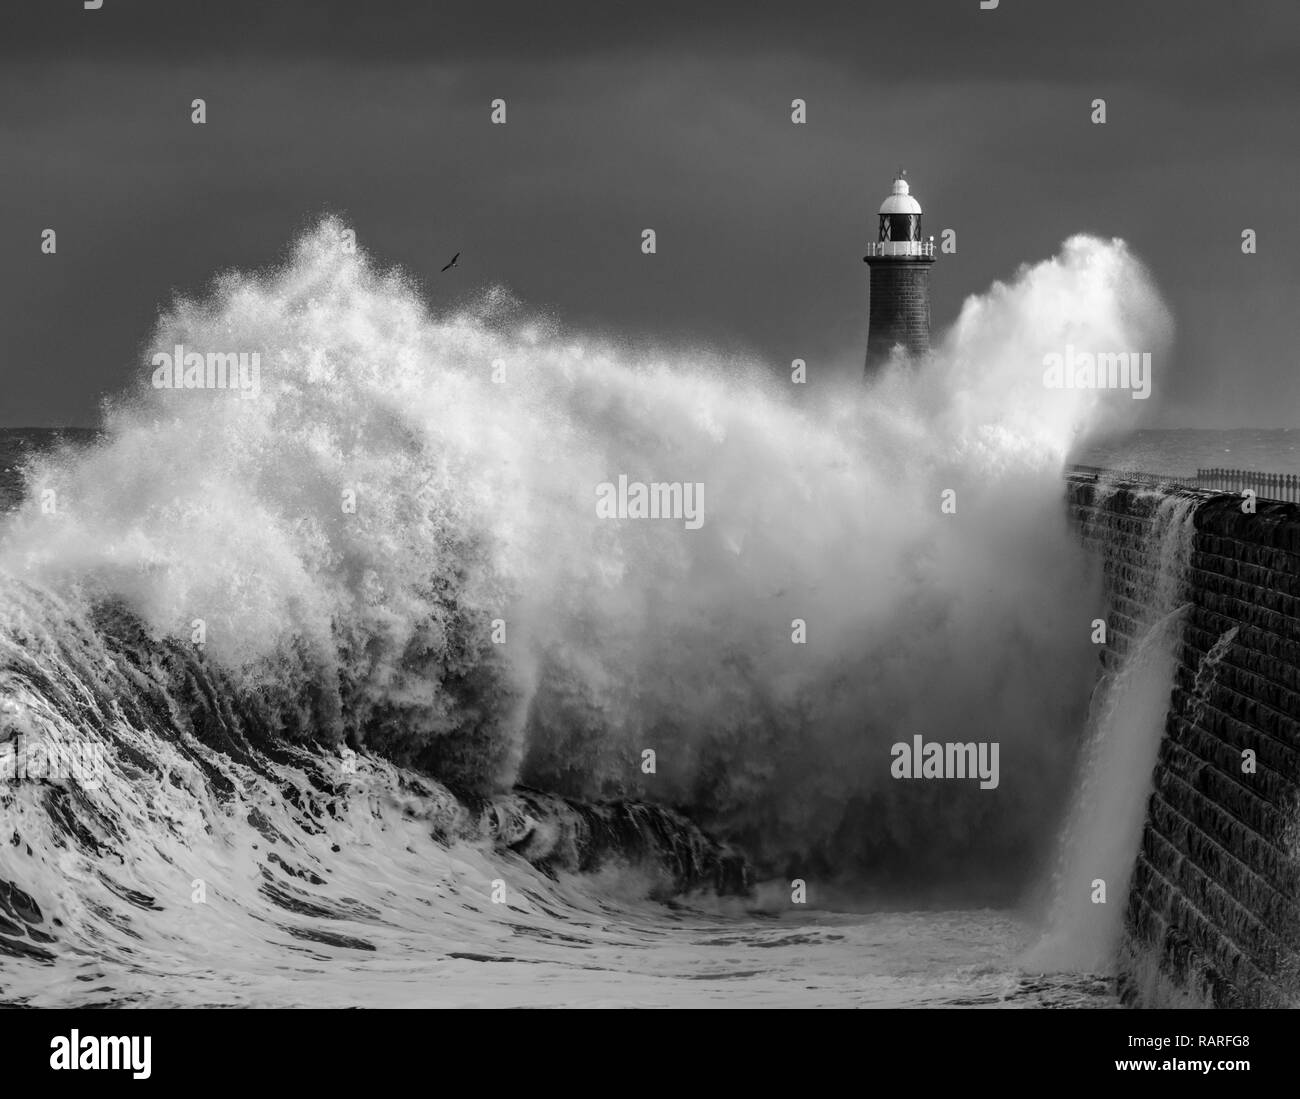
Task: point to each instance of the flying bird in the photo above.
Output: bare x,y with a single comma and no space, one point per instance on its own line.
453,262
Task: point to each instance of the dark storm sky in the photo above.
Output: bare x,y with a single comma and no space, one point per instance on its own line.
626,116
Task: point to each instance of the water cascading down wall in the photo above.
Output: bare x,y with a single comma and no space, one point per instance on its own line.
1213,907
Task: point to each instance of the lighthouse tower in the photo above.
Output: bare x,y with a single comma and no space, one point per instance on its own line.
900,279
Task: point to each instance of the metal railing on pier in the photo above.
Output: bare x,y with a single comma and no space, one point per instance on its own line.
1267,486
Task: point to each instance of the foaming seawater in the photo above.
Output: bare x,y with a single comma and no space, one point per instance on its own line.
191,862
155,815
396,545
1102,835
392,556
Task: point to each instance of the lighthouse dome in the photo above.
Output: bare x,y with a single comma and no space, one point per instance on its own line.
900,202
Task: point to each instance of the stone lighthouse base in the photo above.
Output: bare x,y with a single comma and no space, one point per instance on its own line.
900,308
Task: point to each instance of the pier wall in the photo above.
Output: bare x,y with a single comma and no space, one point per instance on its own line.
1213,909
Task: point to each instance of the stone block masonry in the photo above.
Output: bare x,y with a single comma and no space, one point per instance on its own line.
900,309
1213,910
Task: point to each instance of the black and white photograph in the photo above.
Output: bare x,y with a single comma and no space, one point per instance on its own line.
647,508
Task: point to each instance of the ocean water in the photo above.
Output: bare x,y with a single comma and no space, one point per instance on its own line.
284,677
366,908
1180,452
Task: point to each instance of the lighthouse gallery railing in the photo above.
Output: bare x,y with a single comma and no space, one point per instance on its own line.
900,248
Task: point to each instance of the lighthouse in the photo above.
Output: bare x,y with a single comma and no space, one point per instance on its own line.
899,313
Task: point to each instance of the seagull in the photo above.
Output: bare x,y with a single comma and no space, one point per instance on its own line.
453,262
